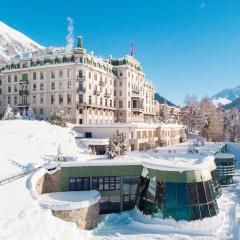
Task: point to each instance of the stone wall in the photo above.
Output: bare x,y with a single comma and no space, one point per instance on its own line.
49,183
85,218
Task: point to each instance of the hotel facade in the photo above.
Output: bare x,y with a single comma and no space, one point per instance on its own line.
91,90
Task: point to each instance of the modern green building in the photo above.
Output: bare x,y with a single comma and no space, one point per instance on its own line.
225,170
154,190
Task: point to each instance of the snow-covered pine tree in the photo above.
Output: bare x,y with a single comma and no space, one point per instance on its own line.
60,157
58,116
24,115
30,114
18,116
151,145
9,114
111,150
120,141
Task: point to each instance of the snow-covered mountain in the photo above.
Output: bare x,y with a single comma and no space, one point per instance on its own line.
226,96
14,43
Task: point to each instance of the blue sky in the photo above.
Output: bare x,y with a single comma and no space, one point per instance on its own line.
185,46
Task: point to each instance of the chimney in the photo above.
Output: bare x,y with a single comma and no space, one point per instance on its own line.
80,45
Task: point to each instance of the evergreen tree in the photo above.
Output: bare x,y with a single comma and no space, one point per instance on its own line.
120,141
59,157
9,114
30,114
58,116
111,150
18,116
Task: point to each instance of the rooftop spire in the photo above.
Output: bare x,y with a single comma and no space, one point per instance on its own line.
132,50
80,45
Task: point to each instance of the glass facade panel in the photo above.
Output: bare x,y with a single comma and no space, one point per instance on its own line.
79,184
106,183
109,204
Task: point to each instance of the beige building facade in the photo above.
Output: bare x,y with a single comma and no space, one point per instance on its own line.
91,90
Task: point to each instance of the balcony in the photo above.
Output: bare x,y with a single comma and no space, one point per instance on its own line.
81,77
23,105
95,106
136,91
102,83
23,81
81,90
23,92
96,92
107,95
137,110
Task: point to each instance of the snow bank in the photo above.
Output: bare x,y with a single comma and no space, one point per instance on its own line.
28,144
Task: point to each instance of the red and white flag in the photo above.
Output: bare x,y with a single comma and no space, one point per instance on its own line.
132,50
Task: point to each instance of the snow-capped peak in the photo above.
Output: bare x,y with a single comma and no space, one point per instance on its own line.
14,43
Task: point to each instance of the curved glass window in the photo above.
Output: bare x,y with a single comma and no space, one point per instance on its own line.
181,201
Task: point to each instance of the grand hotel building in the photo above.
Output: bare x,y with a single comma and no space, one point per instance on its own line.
89,88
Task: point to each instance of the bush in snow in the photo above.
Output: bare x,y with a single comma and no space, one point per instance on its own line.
58,117
112,150
151,144
9,114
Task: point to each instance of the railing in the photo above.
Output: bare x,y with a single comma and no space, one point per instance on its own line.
23,81
23,105
21,92
15,177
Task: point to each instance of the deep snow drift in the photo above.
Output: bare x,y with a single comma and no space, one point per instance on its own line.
24,144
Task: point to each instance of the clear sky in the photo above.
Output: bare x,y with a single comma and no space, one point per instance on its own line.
185,46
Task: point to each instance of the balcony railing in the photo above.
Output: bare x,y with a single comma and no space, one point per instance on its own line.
23,92
23,105
21,81
96,92
81,77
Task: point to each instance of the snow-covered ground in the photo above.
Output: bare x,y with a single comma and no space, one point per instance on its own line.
26,144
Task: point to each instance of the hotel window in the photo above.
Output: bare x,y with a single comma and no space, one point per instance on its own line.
106,183
9,89
9,78
52,99
41,86
79,183
80,98
106,102
41,99
90,75
41,111
68,73
120,93
69,84
34,87
34,99
0,82
9,100
60,74
120,84
60,98
60,85
15,100
110,103
52,74
34,76
129,104
15,88
80,74
69,99
90,100
15,78
120,103
53,86
95,77
101,102
0,91
41,75
80,59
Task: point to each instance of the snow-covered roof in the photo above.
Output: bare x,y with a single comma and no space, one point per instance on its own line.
69,200
94,141
170,158
224,155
